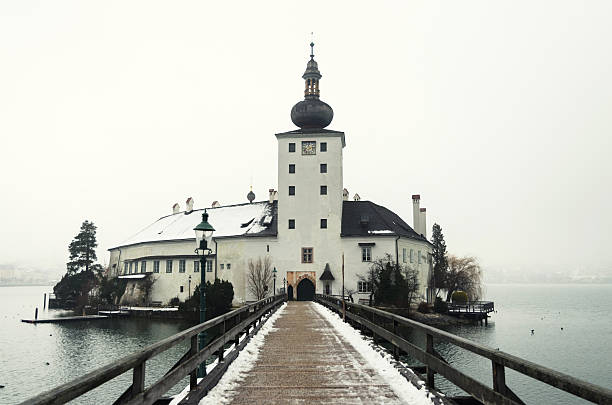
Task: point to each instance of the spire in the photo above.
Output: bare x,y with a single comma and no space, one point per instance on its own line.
311,76
311,113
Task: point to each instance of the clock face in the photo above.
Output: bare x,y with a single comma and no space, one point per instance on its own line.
309,147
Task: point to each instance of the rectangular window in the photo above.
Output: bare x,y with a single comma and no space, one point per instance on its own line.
168,266
181,289
292,147
135,267
366,254
181,266
323,190
291,190
229,266
196,266
125,267
404,255
222,266
323,168
156,266
291,168
419,256
411,256
143,267
364,287
323,223
306,255
292,224
323,146
209,266
130,267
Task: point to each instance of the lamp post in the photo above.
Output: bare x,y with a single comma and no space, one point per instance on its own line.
189,295
284,285
203,232
274,278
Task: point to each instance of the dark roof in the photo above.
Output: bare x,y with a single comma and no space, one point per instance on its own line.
364,218
327,275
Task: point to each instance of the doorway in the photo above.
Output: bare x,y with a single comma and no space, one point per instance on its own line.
305,290
290,293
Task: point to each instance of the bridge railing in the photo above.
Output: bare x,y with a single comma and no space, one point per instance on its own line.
386,325
230,327
472,307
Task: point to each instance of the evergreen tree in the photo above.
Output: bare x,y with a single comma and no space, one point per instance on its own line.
83,249
439,258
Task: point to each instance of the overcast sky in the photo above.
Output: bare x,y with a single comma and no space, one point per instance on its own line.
497,113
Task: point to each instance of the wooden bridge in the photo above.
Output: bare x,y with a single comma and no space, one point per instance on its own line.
306,359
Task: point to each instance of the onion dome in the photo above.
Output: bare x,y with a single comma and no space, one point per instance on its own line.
251,195
312,113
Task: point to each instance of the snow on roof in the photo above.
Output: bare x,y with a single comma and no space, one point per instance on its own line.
231,220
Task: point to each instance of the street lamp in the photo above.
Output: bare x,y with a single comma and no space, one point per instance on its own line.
203,232
274,277
284,285
189,296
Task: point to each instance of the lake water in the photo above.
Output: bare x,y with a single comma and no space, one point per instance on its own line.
582,349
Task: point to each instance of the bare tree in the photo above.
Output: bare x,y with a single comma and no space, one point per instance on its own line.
465,274
259,277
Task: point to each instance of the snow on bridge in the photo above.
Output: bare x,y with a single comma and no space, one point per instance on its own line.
305,354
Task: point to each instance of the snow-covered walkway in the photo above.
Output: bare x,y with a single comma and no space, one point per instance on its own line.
307,359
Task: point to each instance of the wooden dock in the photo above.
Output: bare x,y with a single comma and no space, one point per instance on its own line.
477,310
66,319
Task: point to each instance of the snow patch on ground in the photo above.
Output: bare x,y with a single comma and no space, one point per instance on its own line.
239,369
382,362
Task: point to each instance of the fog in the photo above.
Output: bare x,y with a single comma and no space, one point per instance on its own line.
497,113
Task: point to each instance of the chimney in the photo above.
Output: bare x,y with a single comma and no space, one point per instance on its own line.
215,204
416,213
189,205
345,195
271,195
356,197
176,208
423,222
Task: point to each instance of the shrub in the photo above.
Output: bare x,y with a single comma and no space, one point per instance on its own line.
219,297
174,302
423,307
459,297
440,306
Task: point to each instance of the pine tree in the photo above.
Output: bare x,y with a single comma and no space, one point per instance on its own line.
83,249
439,258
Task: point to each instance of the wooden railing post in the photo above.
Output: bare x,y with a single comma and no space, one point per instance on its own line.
430,350
138,379
395,348
499,377
193,376
222,349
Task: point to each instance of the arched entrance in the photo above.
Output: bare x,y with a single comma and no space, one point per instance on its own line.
290,293
305,290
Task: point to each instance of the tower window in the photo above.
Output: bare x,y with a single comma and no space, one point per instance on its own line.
323,167
291,168
323,190
323,223
292,224
291,190
323,146
307,255
292,147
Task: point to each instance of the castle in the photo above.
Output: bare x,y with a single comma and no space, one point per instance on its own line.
308,228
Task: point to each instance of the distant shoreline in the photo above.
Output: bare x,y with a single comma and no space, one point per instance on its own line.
28,285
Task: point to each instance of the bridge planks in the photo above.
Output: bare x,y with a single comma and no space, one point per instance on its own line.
305,360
